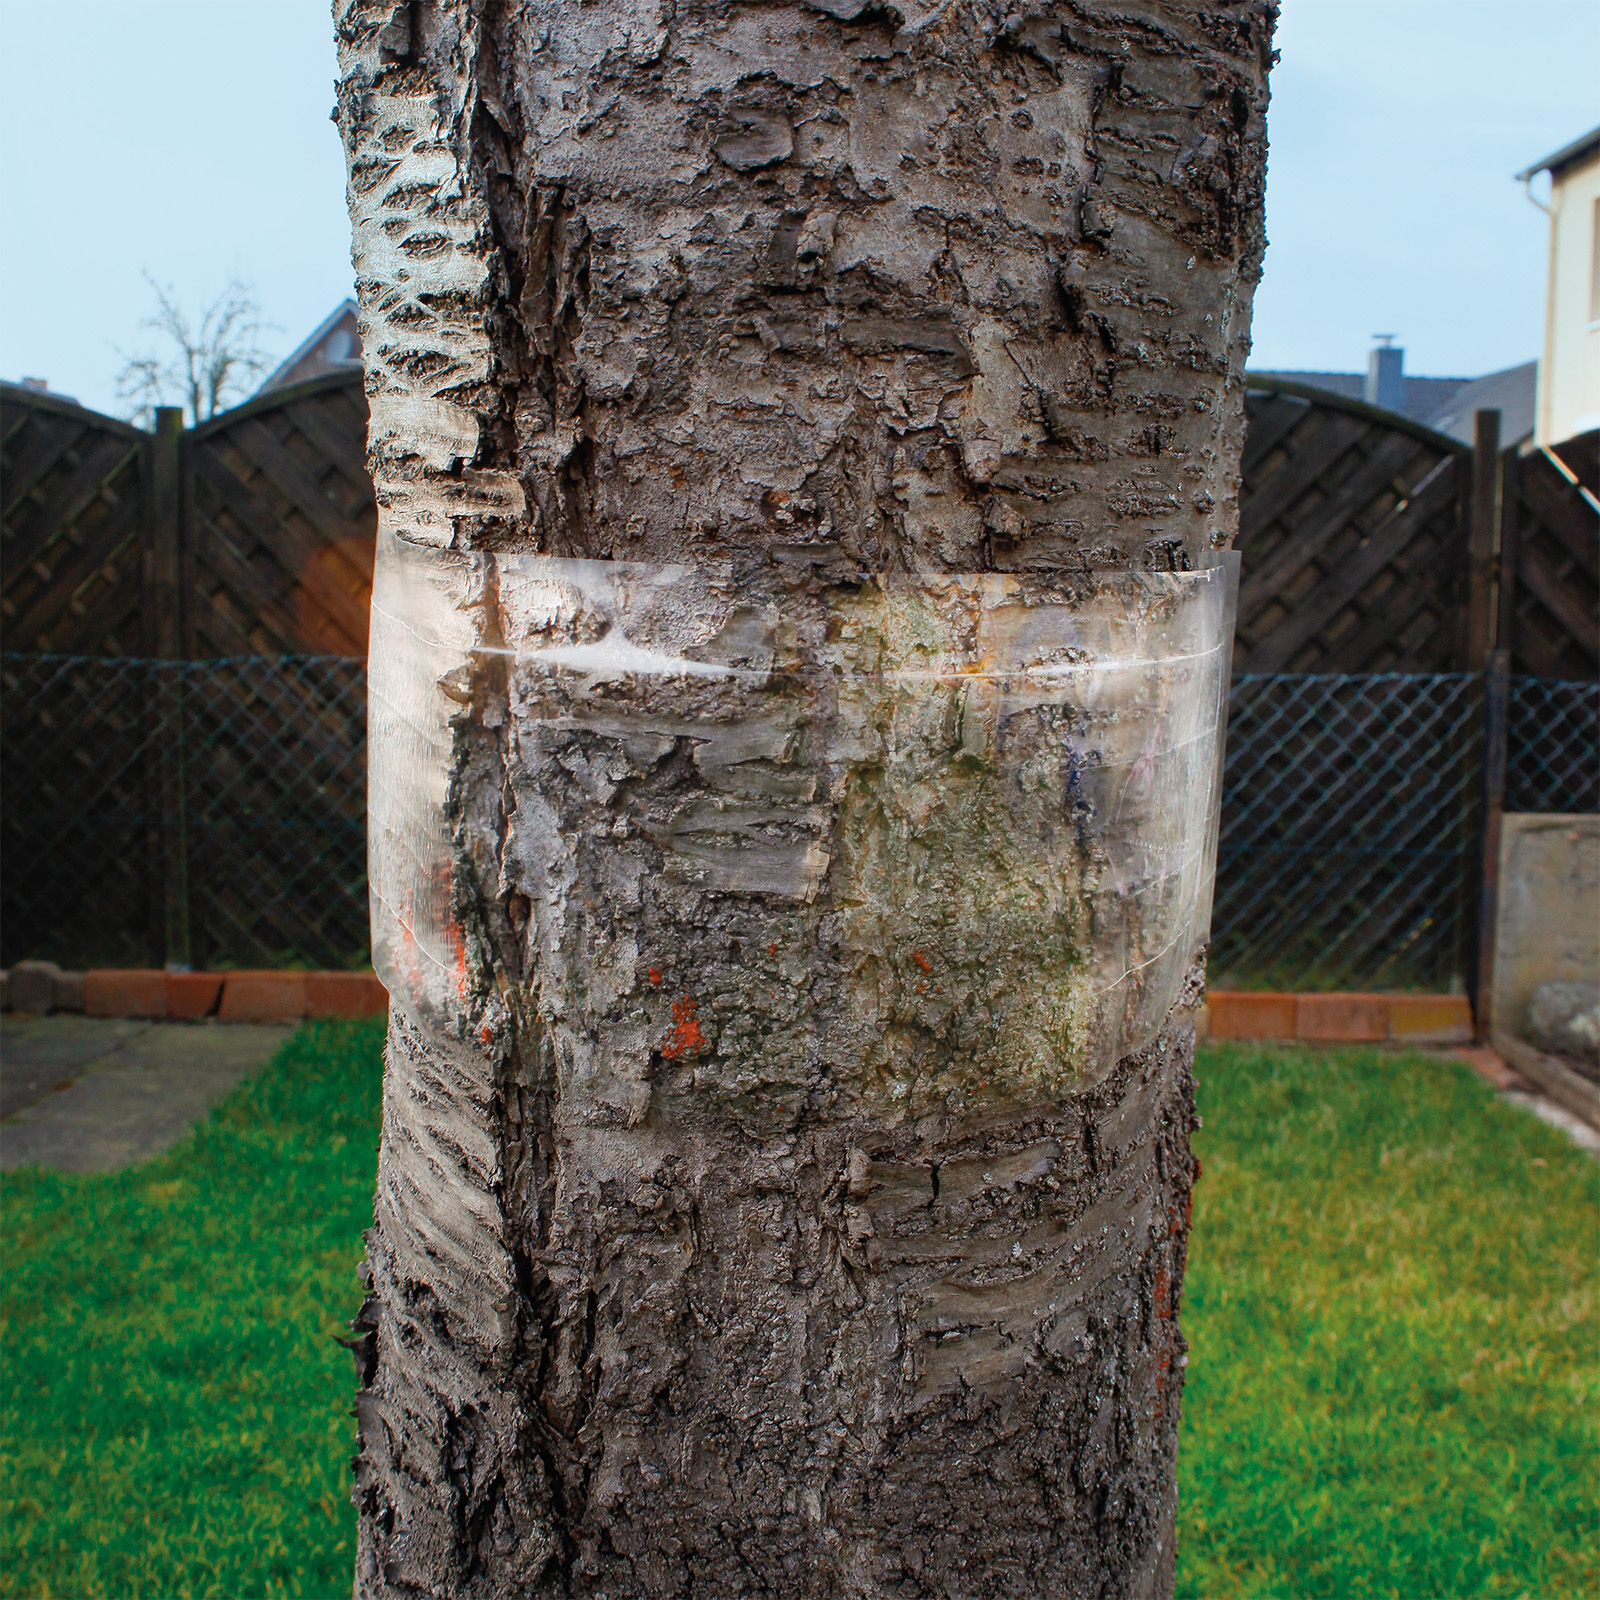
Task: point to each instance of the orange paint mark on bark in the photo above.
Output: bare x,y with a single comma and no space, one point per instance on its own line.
686,1038
922,961
486,1033
772,949
655,974
458,945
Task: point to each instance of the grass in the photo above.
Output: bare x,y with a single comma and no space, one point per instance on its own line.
175,1409
1391,1307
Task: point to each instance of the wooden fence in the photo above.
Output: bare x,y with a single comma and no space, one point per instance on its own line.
214,815
75,490
1369,542
1351,527
1369,545
251,535
1550,561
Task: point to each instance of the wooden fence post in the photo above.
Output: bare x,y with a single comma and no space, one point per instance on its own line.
1483,526
1480,526
165,624
1505,625
164,597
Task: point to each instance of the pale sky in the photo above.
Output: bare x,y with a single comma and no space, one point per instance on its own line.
190,139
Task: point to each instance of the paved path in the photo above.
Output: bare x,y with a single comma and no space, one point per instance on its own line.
84,1095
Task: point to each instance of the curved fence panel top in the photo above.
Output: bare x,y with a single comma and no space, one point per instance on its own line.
1351,538
1550,561
249,535
281,524
253,534
72,509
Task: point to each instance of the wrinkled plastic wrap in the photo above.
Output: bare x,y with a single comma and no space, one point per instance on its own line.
914,836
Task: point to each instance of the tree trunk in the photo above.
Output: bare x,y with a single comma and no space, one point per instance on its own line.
785,1172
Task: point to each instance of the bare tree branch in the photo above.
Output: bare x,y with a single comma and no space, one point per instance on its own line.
203,367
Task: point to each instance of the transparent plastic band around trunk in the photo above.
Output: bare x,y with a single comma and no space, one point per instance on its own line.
917,839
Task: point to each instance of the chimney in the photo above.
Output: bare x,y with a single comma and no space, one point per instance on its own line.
1386,382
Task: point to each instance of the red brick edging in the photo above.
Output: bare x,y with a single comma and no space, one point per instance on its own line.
1337,1018
289,996
189,996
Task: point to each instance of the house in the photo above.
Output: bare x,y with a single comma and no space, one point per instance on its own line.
1569,375
1444,404
42,386
1510,392
334,347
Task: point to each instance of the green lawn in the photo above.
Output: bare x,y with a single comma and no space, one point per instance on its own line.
1391,1307
176,1411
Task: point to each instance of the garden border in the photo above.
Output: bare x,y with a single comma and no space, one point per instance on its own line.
148,992
261,996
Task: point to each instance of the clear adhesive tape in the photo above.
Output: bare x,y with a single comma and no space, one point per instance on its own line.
910,838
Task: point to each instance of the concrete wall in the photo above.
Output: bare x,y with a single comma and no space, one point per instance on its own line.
1549,919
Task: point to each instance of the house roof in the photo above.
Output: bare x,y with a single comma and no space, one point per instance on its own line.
310,360
1423,396
1569,155
1444,404
1509,391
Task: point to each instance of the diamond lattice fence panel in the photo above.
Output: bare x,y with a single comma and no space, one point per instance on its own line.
71,527
79,746
275,787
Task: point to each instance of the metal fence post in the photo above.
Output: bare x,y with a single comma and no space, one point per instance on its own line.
165,624
1496,728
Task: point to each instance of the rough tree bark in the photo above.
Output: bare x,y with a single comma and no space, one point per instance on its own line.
835,288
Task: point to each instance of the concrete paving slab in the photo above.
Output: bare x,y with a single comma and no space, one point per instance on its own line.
40,1054
94,1095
